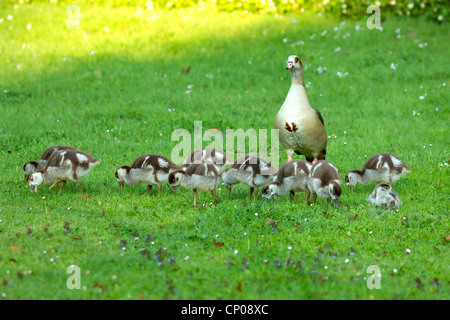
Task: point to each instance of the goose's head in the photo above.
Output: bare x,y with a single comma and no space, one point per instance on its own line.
34,180
294,63
175,178
121,173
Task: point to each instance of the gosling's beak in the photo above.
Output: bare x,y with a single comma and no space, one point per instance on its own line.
336,203
392,192
290,65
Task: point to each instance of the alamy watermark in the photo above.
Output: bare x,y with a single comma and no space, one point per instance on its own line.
374,281
74,19
74,280
234,141
374,21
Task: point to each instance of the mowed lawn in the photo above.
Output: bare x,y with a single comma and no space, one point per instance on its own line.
122,83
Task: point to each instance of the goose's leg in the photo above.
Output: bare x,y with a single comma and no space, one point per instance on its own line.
149,188
291,195
315,161
289,154
213,193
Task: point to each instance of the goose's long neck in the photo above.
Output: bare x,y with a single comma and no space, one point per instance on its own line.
296,97
297,77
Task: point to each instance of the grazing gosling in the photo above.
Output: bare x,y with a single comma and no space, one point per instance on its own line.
250,170
33,166
198,177
207,155
324,181
384,195
62,166
151,169
381,167
293,176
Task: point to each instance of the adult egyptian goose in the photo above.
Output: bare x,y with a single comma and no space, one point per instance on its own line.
198,177
291,177
151,169
381,167
384,195
325,182
62,166
207,155
250,170
301,127
33,166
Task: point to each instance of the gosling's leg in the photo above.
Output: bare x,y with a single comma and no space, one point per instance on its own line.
195,198
80,187
255,193
307,193
61,187
291,195
314,198
251,192
55,184
149,189
159,189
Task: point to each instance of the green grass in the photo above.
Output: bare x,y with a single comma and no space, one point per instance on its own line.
109,93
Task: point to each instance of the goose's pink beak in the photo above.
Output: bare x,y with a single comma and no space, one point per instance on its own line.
289,66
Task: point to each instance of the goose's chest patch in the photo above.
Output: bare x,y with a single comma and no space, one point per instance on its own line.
291,127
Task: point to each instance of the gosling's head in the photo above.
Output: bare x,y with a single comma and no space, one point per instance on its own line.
269,190
175,178
34,180
121,173
335,192
351,179
29,168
